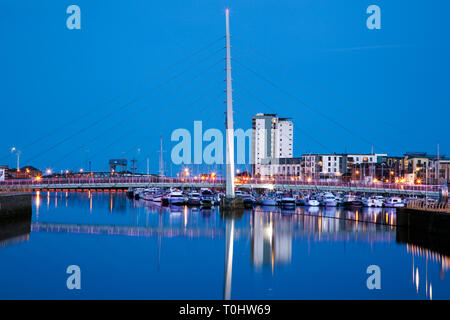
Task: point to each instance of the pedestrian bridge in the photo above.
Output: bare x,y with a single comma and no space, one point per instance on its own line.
123,183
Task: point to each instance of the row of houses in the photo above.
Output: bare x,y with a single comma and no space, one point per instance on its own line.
21,173
413,167
272,152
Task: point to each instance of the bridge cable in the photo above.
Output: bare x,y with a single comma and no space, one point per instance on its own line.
140,84
126,134
302,102
343,100
121,107
273,110
297,127
139,110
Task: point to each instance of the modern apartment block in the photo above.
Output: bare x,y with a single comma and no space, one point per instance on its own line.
334,166
272,138
285,167
320,166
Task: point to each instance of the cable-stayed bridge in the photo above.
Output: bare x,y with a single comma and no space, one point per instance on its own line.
195,83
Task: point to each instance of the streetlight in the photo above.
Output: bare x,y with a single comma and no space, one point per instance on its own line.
14,149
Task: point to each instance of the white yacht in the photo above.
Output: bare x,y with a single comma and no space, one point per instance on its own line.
373,202
176,197
394,202
287,200
146,194
206,197
329,200
194,198
312,202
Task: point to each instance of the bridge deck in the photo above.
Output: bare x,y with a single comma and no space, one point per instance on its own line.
279,184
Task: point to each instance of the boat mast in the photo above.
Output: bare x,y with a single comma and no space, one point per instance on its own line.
161,161
229,117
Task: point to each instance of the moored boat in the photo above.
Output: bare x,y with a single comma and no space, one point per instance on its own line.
206,197
176,197
287,200
394,202
268,201
352,201
194,199
329,200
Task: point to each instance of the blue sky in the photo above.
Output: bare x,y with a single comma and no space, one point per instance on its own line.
111,89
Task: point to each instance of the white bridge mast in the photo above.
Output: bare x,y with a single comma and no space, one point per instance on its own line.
229,115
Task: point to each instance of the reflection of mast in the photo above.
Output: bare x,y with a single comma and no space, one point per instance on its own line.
159,239
228,258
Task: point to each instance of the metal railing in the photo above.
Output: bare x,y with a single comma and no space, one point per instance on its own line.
422,205
217,181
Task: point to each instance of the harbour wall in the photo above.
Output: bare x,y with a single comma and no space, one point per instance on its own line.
15,206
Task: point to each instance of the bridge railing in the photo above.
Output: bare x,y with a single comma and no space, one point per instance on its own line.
218,181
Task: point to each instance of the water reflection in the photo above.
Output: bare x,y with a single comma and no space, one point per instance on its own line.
273,234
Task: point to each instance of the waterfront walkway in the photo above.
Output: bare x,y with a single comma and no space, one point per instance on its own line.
122,183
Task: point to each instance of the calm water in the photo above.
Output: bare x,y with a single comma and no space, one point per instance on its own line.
131,249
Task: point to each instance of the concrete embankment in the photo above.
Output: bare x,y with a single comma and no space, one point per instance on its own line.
15,218
437,223
15,206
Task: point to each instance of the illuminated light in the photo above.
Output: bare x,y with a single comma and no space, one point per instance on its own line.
237,171
419,181
375,180
357,171
38,199
27,170
38,178
309,179
417,279
195,178
67,171
431,292
81,170
396,180
387,180
49,171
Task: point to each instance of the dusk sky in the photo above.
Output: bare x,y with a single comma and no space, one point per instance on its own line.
134,72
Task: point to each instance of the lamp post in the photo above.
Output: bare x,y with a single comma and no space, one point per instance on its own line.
14,149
